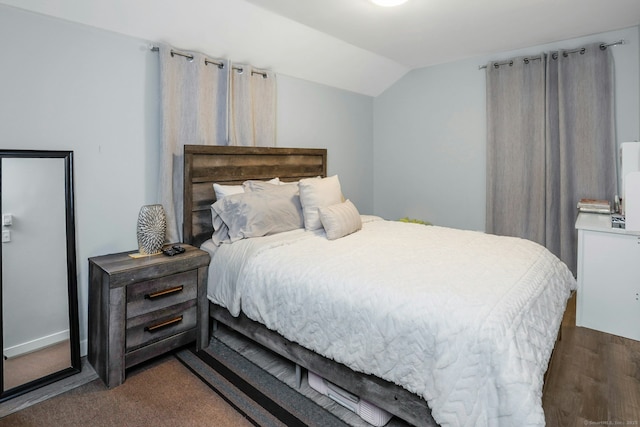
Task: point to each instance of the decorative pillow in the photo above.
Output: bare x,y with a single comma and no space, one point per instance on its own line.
256,214
223,191
318,193
340,220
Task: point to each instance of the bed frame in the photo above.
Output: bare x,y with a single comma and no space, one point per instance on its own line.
204,165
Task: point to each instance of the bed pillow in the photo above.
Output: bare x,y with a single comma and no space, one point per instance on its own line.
289,182
256,214
253,185
318,193
340,220
220,229
223,190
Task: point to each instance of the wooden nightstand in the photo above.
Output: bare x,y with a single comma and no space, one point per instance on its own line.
142,307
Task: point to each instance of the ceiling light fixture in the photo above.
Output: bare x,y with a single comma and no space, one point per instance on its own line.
389,3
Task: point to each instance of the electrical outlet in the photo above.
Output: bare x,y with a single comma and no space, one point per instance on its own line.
7,219
6,236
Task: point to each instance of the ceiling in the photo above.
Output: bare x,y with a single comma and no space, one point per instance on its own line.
340,42
420,33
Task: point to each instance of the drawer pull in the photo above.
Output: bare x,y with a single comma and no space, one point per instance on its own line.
164,292
161,325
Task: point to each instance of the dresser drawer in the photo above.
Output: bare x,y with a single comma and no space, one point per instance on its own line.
152,327
152,295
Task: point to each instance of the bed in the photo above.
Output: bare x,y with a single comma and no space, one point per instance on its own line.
468,346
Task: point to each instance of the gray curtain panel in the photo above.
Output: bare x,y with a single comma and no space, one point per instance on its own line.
580,140
194,111
516,161
550,142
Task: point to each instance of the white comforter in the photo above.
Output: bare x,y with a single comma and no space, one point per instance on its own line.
465,319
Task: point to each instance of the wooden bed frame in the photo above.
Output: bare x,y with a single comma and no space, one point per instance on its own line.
204,165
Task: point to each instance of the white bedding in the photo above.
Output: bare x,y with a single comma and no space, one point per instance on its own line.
465,319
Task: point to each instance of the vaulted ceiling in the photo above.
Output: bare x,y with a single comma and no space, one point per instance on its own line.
349,44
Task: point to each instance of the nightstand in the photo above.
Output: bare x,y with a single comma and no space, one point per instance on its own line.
140,308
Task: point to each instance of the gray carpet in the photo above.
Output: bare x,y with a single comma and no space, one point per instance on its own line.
161,392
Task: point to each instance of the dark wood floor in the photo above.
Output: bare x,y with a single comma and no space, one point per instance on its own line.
594,378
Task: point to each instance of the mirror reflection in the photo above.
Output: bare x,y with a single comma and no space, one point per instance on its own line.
39,325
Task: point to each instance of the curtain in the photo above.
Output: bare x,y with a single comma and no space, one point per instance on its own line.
550,142
252,107
516,149
194,111
580,140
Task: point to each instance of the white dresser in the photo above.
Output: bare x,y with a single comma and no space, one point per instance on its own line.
608,297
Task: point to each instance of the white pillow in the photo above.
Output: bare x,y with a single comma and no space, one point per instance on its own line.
253,185
222,190
318,193
340,220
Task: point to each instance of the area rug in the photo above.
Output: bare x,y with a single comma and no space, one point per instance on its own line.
251,390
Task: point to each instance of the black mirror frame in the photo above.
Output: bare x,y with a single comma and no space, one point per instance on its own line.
72,285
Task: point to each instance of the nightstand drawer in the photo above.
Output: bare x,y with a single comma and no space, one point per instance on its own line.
152,295
151,327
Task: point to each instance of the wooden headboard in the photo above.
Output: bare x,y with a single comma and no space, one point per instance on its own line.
206,164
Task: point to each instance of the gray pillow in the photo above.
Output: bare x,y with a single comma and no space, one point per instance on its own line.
256,214
254,185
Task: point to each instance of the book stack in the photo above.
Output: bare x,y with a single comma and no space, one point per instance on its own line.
594,206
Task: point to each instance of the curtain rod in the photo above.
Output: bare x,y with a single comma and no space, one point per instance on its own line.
208,61
526,60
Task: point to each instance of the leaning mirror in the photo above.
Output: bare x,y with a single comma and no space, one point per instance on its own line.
40,337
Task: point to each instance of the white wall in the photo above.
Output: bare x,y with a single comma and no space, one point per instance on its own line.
66,86
312,115
430,134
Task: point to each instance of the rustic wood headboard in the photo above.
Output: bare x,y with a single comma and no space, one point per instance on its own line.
206,164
